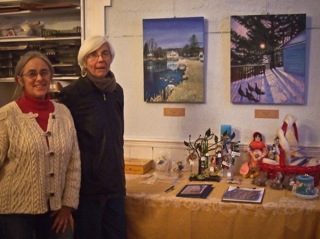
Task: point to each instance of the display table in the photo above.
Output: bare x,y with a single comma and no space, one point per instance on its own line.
153,213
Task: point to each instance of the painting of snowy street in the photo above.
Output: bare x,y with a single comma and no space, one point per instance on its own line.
268,59
173,60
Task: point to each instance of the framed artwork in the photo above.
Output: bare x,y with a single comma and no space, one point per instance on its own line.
268,59
195,191
173,60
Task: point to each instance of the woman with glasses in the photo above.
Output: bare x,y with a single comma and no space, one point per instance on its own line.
96,104
39,158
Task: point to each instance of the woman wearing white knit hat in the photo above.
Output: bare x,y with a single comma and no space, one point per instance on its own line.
96,103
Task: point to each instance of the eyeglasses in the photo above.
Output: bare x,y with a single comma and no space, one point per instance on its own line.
32,74
95,55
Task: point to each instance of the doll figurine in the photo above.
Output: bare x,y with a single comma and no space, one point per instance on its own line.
275,150
273,156
257,151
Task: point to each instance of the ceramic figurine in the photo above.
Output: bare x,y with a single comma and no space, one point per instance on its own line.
276,183
261,179
288,182
257,151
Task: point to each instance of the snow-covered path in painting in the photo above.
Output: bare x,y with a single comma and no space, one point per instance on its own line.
275,87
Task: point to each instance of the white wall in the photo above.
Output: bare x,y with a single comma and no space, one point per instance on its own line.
145,121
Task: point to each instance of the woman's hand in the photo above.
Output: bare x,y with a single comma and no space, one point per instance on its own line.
62,219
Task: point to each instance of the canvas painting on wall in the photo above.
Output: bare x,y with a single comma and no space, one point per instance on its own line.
268,59
173,54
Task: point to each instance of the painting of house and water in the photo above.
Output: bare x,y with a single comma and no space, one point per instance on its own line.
173,54
268,59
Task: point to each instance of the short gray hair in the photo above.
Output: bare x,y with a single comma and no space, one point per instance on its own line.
89,46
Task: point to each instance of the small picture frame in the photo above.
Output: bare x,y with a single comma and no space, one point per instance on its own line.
195,190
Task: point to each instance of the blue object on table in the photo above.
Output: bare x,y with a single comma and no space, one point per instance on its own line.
225,128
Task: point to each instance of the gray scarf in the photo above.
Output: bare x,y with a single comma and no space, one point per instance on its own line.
105,84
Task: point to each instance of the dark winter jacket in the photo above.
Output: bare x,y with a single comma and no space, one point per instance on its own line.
98,118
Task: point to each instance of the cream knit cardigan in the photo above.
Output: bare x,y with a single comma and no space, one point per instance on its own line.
38,170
